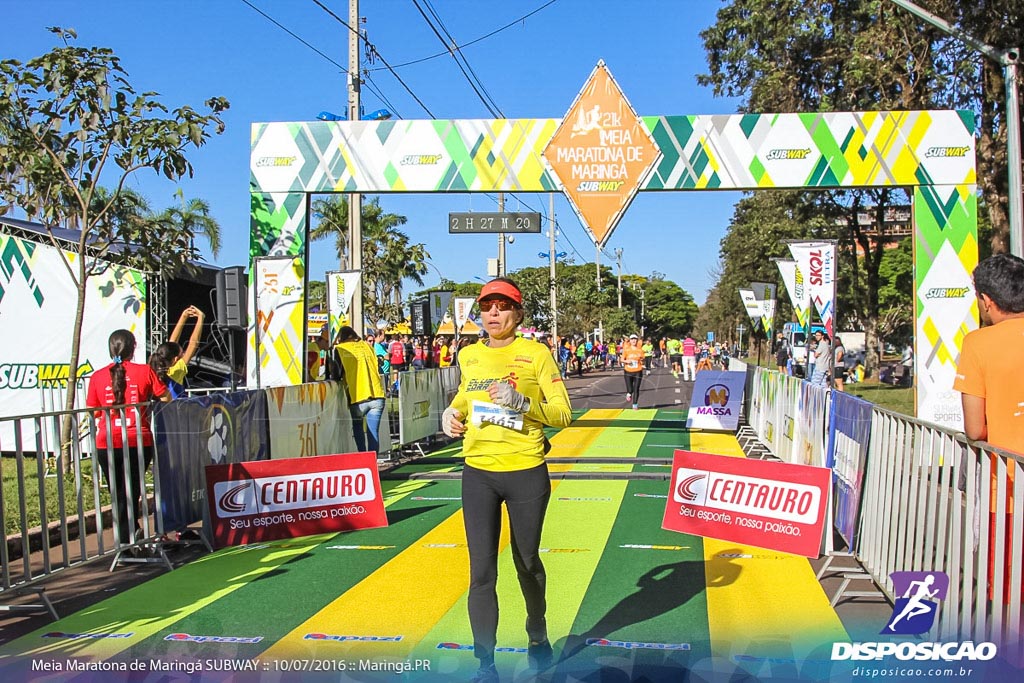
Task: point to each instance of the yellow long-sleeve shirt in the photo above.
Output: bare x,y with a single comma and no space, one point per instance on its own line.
529,367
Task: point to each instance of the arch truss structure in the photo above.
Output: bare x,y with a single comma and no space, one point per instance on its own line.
601,158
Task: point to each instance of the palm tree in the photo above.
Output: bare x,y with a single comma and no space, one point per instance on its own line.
193,217
332,221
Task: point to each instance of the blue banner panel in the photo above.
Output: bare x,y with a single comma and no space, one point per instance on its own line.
849,434
192,433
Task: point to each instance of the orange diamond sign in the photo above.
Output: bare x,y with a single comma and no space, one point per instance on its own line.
601,153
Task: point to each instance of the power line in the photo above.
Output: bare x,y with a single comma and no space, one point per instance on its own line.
281,26
477,40
375,52
456,54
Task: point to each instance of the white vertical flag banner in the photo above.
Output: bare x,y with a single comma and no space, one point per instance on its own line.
764,292
793,279
752,305
277,356
438,309
341,286
817,260
463,305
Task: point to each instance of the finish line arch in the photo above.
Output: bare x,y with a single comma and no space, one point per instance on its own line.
932,152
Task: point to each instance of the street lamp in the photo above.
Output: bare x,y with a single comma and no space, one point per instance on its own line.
740,329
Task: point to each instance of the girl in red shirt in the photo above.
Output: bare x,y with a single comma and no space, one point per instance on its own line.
124,383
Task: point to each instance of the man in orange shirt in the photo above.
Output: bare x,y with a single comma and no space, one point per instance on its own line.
988,375
991,363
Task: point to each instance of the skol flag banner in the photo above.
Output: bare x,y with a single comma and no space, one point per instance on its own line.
251,502
463,305
793,279
764,292
753,306
341,287
279,322
439,302
817,260
601,153
772,505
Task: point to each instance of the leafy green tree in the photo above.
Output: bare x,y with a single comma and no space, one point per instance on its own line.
331,220
71,119
793,55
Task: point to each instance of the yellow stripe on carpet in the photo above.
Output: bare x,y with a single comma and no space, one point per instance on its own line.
761,603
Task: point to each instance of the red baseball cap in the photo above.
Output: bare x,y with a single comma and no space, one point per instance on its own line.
503,288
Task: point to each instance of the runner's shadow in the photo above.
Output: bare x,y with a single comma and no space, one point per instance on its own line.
659,591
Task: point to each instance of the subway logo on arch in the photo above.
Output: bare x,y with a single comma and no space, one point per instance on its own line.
786,501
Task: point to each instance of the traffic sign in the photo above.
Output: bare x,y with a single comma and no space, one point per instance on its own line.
486,222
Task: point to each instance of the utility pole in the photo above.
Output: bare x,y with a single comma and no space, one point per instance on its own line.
1008,59
618,261
501,238
597,263
355,200
551,258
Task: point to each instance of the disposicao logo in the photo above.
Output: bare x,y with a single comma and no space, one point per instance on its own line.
912,615
915,609
85,636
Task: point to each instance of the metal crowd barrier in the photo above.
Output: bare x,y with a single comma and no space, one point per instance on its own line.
931,501
78,512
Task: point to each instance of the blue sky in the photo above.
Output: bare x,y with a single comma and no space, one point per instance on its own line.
189,51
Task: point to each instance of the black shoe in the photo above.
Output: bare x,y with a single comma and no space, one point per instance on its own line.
539,654
486,674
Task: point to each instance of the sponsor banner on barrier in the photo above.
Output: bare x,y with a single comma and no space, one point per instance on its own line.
252,502
419,395
309,419
849,435
809,442
717,400
192,433
771,505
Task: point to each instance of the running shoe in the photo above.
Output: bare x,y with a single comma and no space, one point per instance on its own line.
539,654
486,674
629,397
636,407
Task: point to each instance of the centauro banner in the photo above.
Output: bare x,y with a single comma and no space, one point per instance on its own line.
37,313
754,502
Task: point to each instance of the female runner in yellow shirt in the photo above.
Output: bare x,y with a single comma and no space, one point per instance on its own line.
504,449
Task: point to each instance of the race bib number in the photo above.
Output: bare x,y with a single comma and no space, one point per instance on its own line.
483,412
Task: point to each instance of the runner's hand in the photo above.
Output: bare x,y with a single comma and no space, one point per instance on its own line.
505,395
451,423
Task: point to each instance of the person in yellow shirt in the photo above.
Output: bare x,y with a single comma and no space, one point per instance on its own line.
444,356
170,361
365,390
510,389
